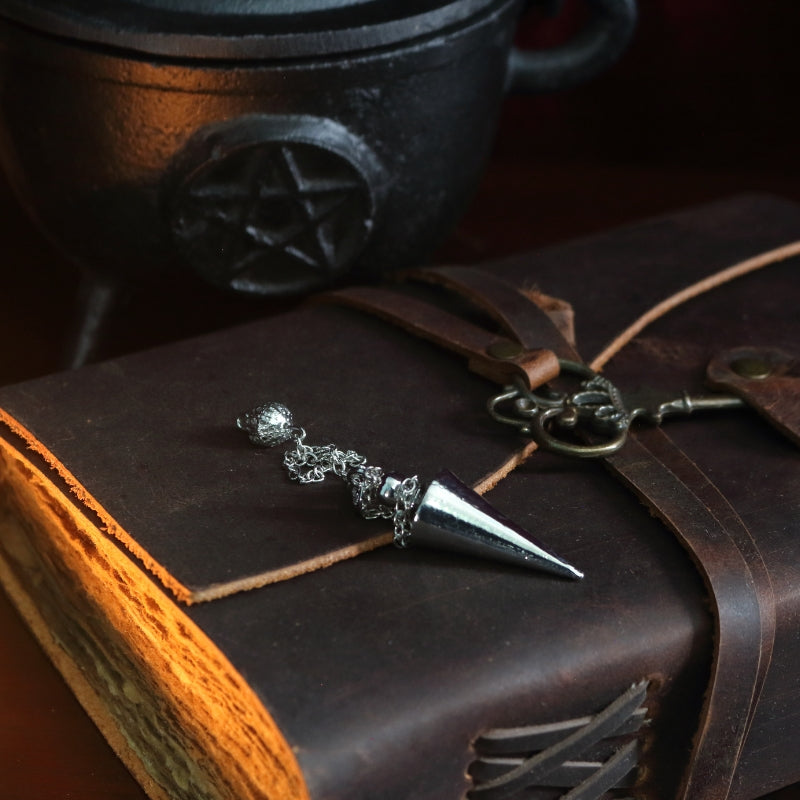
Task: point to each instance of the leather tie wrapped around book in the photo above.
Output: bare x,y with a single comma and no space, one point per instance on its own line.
448,515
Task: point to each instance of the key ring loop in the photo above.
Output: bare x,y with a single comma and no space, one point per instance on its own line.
538,431
596,402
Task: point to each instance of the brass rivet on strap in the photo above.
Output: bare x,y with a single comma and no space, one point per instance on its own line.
504,350
754,369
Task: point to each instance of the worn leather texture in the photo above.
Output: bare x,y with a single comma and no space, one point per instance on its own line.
381,670
667,481
153,438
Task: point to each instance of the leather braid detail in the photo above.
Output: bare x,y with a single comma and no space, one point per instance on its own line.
586,757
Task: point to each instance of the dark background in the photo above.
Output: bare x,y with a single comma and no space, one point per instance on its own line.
704,105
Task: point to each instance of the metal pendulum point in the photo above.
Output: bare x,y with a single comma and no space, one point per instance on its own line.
448,515
451,516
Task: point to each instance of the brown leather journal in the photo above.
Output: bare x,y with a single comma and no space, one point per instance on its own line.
235,634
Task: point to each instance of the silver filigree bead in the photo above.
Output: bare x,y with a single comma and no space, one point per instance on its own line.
268,425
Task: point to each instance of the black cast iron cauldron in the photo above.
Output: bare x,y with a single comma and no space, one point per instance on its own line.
272,147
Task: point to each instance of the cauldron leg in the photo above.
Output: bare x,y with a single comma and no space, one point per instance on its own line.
97,297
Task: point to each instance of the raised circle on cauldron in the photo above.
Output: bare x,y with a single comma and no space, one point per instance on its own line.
281,216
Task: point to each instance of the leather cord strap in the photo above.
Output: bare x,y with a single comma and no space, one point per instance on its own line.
498,358
706,284
532,318
671,485
686,501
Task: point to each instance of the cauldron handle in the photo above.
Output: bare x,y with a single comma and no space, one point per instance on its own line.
593,49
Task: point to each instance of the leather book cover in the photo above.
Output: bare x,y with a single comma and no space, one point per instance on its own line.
236,634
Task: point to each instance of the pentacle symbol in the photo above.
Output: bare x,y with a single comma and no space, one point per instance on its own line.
273,217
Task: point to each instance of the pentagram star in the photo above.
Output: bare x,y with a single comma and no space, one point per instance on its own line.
281,198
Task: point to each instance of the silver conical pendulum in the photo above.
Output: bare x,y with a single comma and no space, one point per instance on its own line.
448,515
